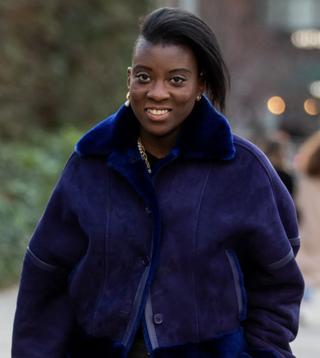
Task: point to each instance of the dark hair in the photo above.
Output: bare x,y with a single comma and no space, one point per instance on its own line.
180,27
311,153
314,163
273,149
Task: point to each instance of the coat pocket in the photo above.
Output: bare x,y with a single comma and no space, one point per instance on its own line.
239,284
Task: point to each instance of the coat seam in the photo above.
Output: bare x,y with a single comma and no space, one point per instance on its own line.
194,251
260,162
274,195
105,246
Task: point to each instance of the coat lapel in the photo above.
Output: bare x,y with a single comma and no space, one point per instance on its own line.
205,134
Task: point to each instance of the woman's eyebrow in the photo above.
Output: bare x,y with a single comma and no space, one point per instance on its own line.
180,69
139,66
142,67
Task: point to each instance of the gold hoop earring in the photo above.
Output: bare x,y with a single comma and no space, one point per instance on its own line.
127,103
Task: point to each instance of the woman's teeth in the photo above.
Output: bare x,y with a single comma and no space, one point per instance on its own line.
157,112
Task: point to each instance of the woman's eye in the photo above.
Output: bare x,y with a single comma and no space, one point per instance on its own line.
143,77
177,79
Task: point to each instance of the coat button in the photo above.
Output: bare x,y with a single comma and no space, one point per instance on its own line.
158,319
145,261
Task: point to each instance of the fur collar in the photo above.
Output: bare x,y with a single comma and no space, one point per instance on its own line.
205,134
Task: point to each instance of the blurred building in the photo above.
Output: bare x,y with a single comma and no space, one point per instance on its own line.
272,49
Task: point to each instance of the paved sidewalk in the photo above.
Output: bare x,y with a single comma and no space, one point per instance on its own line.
307,345
8,299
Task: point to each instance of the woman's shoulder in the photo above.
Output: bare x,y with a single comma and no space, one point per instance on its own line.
80,167
246,150
245,145
252,159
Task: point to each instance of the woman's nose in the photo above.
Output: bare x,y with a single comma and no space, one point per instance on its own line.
158,92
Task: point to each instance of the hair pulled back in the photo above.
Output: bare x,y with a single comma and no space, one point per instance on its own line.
180,27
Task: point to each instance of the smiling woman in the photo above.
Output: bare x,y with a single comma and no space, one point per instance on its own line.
164,83
166,236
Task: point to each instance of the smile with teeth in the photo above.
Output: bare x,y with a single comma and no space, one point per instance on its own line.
157,112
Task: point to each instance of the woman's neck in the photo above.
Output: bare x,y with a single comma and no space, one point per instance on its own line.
159,146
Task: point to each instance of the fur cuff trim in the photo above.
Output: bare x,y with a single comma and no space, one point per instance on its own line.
226,345
259,353
82,345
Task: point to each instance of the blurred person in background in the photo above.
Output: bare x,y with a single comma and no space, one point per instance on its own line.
307,200
275,148
166,235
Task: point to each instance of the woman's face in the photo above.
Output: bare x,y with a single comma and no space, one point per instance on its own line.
164,84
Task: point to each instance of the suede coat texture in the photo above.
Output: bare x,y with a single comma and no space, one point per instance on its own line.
201,252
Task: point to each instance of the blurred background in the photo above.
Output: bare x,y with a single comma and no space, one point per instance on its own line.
63,69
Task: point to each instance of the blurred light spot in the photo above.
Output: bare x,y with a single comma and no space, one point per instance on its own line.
312,106
307,39
276,105
314,89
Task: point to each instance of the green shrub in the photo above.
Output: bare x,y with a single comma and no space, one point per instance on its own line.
28,173
62,61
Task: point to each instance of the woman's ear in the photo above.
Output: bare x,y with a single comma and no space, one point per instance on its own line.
129,70
201,86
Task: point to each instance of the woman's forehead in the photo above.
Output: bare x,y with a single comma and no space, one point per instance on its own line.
145,49
143,45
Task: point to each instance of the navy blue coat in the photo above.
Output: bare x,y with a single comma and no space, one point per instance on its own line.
202,251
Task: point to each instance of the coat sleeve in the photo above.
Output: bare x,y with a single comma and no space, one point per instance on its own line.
44,318
273,282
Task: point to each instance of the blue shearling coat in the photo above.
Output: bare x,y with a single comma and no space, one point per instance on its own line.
201,251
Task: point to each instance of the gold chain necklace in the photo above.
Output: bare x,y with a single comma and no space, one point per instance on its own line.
143,154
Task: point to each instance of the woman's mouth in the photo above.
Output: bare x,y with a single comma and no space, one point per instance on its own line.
157,112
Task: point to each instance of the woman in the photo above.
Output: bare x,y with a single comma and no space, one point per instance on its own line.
164,220
308,204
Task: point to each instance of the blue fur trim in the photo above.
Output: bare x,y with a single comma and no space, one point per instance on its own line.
261,353
205,134
146,335
226,345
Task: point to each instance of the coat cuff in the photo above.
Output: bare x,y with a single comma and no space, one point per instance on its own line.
258,353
